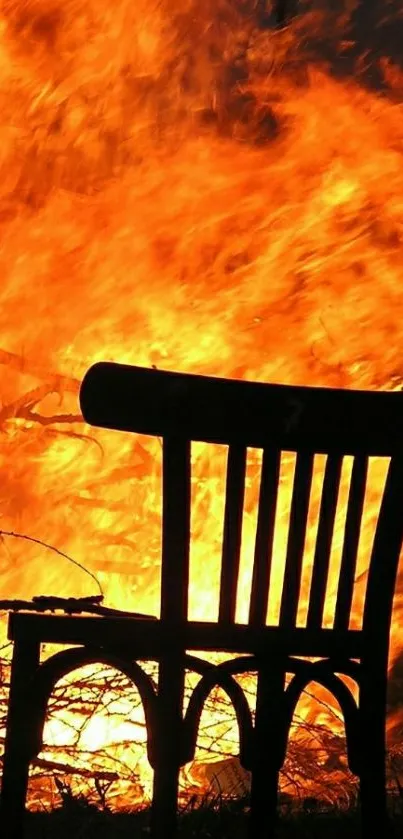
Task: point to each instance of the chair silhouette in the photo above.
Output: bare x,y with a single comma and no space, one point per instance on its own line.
180,408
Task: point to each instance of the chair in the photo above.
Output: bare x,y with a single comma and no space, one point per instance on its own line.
181,408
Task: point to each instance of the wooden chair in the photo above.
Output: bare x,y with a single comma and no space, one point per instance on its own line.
182,408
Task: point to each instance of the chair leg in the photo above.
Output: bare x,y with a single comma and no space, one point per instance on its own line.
269,739
165,801
167,755
18,750
264,795
374,817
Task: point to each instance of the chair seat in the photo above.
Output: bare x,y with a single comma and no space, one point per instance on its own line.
146,638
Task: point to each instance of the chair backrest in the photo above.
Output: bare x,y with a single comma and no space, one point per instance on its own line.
340,424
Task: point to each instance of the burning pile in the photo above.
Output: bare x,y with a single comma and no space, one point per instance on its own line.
181,188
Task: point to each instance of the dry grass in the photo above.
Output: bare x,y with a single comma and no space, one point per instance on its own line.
212,821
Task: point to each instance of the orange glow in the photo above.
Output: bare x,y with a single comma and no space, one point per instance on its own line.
183,190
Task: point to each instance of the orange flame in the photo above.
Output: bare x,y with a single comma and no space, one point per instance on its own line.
179,189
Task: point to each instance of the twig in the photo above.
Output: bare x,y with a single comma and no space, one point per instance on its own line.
43,544
56,382
69,769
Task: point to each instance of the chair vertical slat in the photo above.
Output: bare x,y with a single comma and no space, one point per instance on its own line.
386,551
175,529
327,515
234,500
296,538
264,536
355,506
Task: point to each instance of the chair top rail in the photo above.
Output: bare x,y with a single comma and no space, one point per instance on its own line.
227,411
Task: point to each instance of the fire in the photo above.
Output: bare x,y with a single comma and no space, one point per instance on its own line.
180,189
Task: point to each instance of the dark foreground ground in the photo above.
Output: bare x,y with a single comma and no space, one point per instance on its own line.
225,822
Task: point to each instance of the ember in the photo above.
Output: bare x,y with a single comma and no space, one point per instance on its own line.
184,189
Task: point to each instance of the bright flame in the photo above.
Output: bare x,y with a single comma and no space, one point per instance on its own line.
177,190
